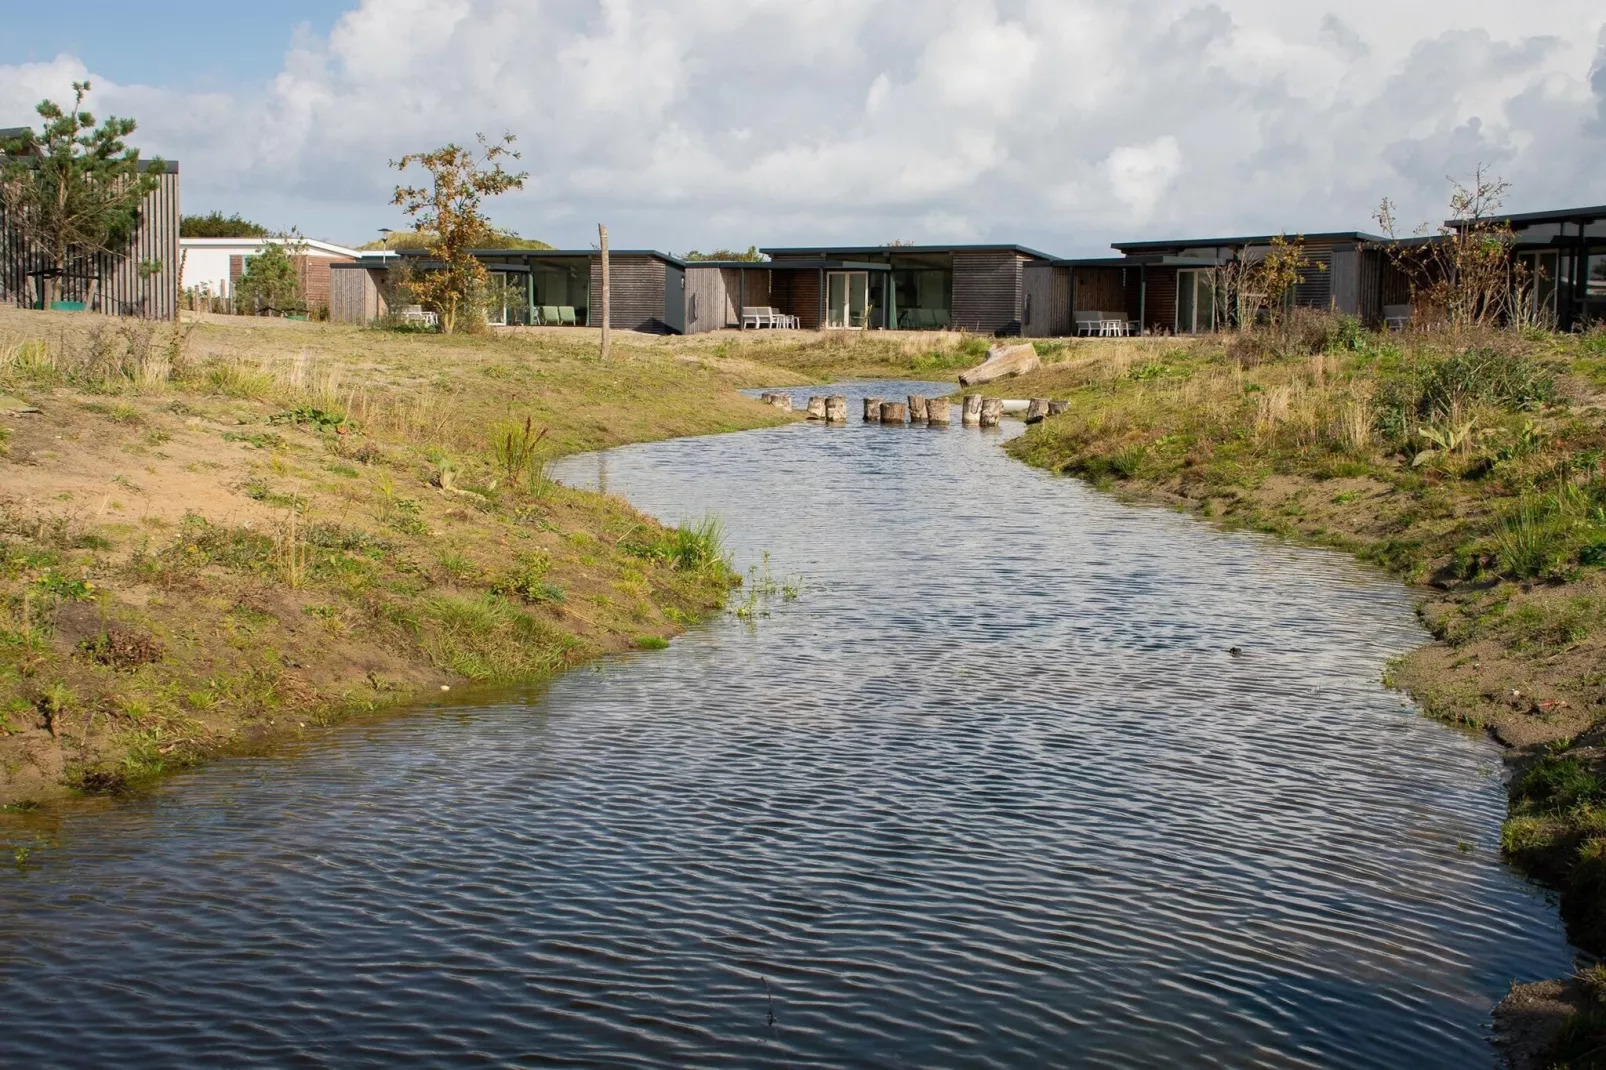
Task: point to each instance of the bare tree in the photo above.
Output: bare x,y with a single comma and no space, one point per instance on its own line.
1462,272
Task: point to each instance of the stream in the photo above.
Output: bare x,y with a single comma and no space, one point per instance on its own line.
976,783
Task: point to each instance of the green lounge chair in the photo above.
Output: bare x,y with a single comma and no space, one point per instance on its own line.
549,315
566,316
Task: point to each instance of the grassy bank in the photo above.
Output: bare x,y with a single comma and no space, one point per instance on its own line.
1467,465
221,535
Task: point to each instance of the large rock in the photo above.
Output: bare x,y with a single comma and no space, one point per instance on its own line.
1001,363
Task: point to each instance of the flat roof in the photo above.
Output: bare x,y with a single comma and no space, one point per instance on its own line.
1139,260
793,264
1553,215
311,243
860,250
1250,239
553,254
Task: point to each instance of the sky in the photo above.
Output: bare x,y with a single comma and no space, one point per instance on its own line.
1062,125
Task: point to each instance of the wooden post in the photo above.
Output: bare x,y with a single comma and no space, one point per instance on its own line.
607,303
1037,410
817,408
894,412
872,410
937,412
917,408
836,409
1057,407
992,410
971,412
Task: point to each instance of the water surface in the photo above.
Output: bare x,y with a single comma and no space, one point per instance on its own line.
990,792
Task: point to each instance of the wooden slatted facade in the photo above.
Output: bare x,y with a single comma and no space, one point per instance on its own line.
1158,303
1047,310
797,293
712,294
357,293
637,298
988,292
141,281
985,283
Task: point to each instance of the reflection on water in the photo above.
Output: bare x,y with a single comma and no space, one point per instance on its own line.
991,792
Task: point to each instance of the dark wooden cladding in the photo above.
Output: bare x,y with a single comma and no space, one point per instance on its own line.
752,289
1046,311
988,291
1100,290
1160,300
638,284
139,281
1316,289
796,293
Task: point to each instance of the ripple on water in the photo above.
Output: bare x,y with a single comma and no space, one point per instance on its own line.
991,793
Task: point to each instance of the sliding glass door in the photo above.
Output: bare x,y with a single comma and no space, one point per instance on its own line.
847,299
1538,304
1196,301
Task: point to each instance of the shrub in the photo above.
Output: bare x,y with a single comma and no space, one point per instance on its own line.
689,548
1529,544
528,581
515,447
489,638
271,282
1440,390
1349,336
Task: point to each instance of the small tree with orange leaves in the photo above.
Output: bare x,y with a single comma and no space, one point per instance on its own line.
449,210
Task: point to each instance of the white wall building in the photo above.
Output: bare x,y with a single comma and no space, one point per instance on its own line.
207,260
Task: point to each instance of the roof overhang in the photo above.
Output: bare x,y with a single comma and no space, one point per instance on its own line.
1591,214
793,264
551,254
1141,260
850,251
1244,240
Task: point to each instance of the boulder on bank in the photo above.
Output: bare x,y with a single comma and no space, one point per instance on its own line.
1001,363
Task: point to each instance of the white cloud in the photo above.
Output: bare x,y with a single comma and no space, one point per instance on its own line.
1141,174
1062,124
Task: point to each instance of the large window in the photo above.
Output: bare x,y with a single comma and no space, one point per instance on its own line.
1196,301
924,292
1542,274
508,299
847,299
1595,286
562,291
